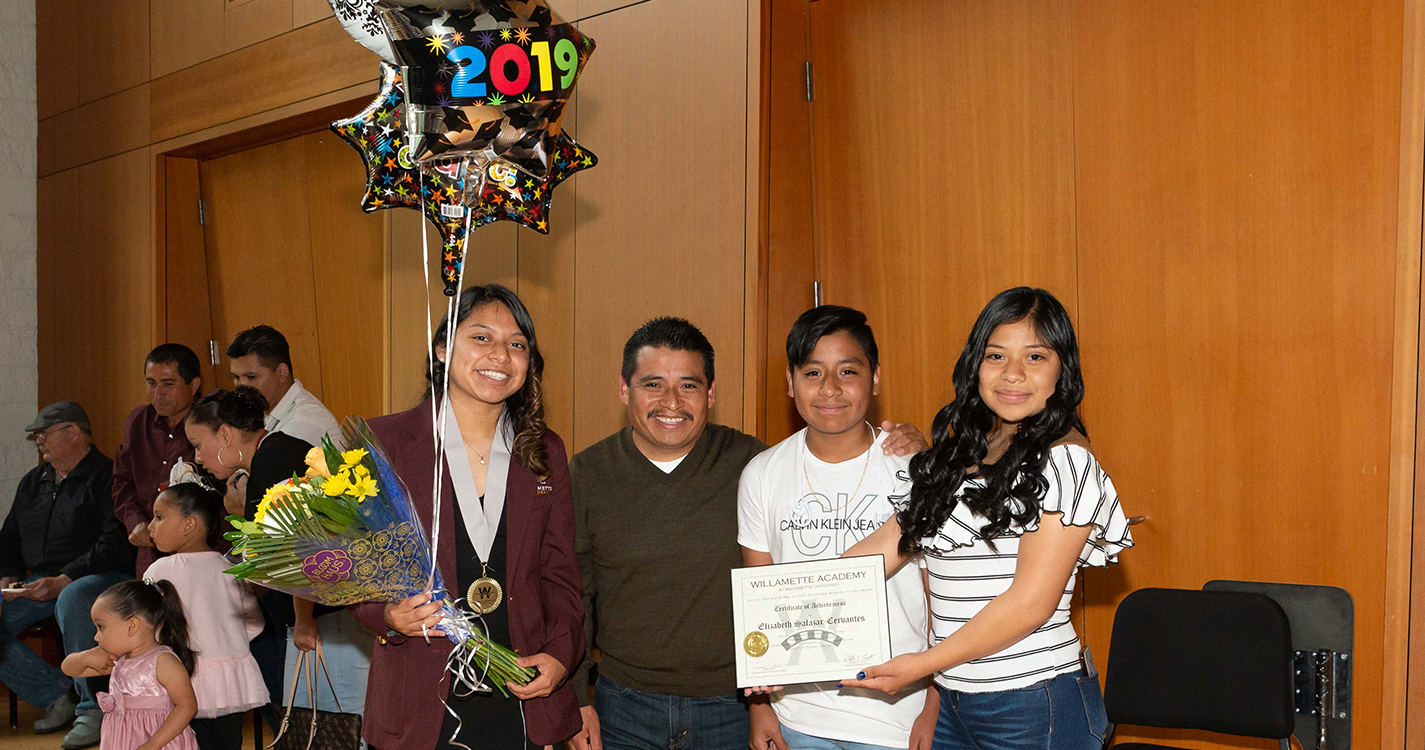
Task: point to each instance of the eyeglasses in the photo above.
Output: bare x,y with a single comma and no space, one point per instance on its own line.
45,434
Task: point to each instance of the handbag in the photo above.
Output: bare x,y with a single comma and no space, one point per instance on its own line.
339,731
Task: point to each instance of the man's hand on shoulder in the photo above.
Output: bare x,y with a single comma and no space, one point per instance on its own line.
902,439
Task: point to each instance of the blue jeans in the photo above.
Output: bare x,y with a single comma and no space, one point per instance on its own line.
25,672
346,647
798,741
1065,713
634,720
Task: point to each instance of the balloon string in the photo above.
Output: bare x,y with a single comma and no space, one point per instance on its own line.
430,367
440,415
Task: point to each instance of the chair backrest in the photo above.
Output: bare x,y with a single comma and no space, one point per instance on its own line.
1220,661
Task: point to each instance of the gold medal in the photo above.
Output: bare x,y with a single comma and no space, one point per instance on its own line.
485,595
755,644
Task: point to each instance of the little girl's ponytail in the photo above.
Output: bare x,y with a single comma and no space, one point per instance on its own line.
158,603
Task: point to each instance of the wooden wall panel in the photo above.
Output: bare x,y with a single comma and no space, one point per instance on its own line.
99,129
185,32
309,11
57,58
660,224
928,204
101,274
113,51
409,305
247,22
1236,230
293,67
547,286
791,262
259,246
349,259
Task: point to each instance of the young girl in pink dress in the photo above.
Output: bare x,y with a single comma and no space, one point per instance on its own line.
143,647
223,614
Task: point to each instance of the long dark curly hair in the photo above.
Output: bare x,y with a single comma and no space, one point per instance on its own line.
1015,484
526,406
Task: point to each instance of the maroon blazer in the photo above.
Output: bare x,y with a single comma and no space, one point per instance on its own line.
544,593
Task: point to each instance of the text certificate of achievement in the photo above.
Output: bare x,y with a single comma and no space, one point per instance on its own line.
809,621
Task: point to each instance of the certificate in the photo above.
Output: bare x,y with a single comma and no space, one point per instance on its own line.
809,621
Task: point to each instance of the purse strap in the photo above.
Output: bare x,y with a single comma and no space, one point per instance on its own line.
309,666
322,660
291,698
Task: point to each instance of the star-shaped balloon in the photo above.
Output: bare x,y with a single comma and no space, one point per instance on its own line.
488,79
454,195
507,193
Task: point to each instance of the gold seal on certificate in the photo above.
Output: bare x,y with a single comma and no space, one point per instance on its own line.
810,621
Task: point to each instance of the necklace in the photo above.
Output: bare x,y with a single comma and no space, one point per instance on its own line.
864,466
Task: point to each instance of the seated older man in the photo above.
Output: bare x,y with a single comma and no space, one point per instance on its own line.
60,548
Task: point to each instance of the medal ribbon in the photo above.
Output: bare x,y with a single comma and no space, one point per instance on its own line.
481,523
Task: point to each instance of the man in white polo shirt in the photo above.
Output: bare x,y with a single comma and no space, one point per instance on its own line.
261,358
811,497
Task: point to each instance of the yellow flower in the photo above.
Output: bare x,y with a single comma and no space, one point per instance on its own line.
352,458
274,493
317,463
337,485
364,487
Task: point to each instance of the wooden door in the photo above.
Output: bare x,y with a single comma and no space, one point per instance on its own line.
288,246
943,162
1211,191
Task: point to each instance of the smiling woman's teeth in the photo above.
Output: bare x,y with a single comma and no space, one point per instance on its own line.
493,375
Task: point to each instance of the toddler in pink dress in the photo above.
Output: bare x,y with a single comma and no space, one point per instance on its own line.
137,705
143,647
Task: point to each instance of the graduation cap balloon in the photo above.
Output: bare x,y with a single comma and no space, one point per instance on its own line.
485,79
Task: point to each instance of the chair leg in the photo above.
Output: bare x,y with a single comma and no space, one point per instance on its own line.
14,709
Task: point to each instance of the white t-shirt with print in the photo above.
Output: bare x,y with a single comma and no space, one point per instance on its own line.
797,507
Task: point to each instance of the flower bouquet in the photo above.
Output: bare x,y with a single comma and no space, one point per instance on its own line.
346,532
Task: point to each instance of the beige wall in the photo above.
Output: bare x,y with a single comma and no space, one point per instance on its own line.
659,227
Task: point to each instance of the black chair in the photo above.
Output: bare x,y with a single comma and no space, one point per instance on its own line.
1219,661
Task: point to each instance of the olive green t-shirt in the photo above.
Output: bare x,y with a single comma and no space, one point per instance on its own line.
655,549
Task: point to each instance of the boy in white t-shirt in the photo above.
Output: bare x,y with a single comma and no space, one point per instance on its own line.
811,497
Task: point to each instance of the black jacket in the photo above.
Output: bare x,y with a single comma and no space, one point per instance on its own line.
67,526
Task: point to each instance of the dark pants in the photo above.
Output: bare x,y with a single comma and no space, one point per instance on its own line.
34,680
269,649
1065,713
634,720
219,732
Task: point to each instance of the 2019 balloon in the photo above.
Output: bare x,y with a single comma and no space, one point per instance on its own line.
485,79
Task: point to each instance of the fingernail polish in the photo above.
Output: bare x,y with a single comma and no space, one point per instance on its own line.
860,675
840,685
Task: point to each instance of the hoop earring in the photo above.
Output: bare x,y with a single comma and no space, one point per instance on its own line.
220,456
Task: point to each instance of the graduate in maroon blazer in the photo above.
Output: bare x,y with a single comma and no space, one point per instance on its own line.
506,544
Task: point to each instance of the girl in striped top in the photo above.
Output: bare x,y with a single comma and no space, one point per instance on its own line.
1006,506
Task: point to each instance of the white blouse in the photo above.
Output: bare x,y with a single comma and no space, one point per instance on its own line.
966,574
